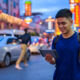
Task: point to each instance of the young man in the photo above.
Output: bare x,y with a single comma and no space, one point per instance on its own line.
67,47
25,41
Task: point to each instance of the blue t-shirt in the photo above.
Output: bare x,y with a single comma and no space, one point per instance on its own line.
67,65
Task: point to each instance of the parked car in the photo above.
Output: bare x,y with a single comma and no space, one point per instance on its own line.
10,50
36,45
34,49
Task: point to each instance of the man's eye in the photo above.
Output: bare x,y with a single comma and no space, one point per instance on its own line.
63,23
58,23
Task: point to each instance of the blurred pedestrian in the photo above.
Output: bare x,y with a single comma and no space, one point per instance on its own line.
25,42
14,42
67,47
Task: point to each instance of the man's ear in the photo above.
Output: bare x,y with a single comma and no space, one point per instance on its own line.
71,21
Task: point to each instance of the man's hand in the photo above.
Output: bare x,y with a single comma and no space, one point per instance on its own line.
50,59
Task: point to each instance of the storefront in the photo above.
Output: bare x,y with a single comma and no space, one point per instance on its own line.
11,22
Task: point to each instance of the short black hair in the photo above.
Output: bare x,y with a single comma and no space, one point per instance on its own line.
26,29
64,13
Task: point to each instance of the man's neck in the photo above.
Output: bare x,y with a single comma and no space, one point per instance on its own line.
69,34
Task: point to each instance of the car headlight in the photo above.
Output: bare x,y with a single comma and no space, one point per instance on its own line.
5,48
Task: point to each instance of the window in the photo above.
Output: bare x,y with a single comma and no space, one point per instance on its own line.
5,1
11,40
0,8
1,38
14,4
5,11
14,14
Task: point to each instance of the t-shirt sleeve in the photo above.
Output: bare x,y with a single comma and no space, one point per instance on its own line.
20,37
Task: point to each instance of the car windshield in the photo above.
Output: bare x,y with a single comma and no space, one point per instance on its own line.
1,38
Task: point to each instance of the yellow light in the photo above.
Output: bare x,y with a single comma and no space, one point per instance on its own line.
76,25
76,1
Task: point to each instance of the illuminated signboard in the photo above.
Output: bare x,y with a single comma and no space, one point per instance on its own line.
72,8
28,8
75,8
71,1
74,1
77,1
71,5
76,16
28,20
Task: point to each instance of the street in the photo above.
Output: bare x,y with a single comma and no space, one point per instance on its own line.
38,69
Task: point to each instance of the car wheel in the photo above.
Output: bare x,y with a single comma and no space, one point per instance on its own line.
7,60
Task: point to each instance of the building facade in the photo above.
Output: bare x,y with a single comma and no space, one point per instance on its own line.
10,7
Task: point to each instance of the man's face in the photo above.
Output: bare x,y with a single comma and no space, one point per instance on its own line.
64,24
